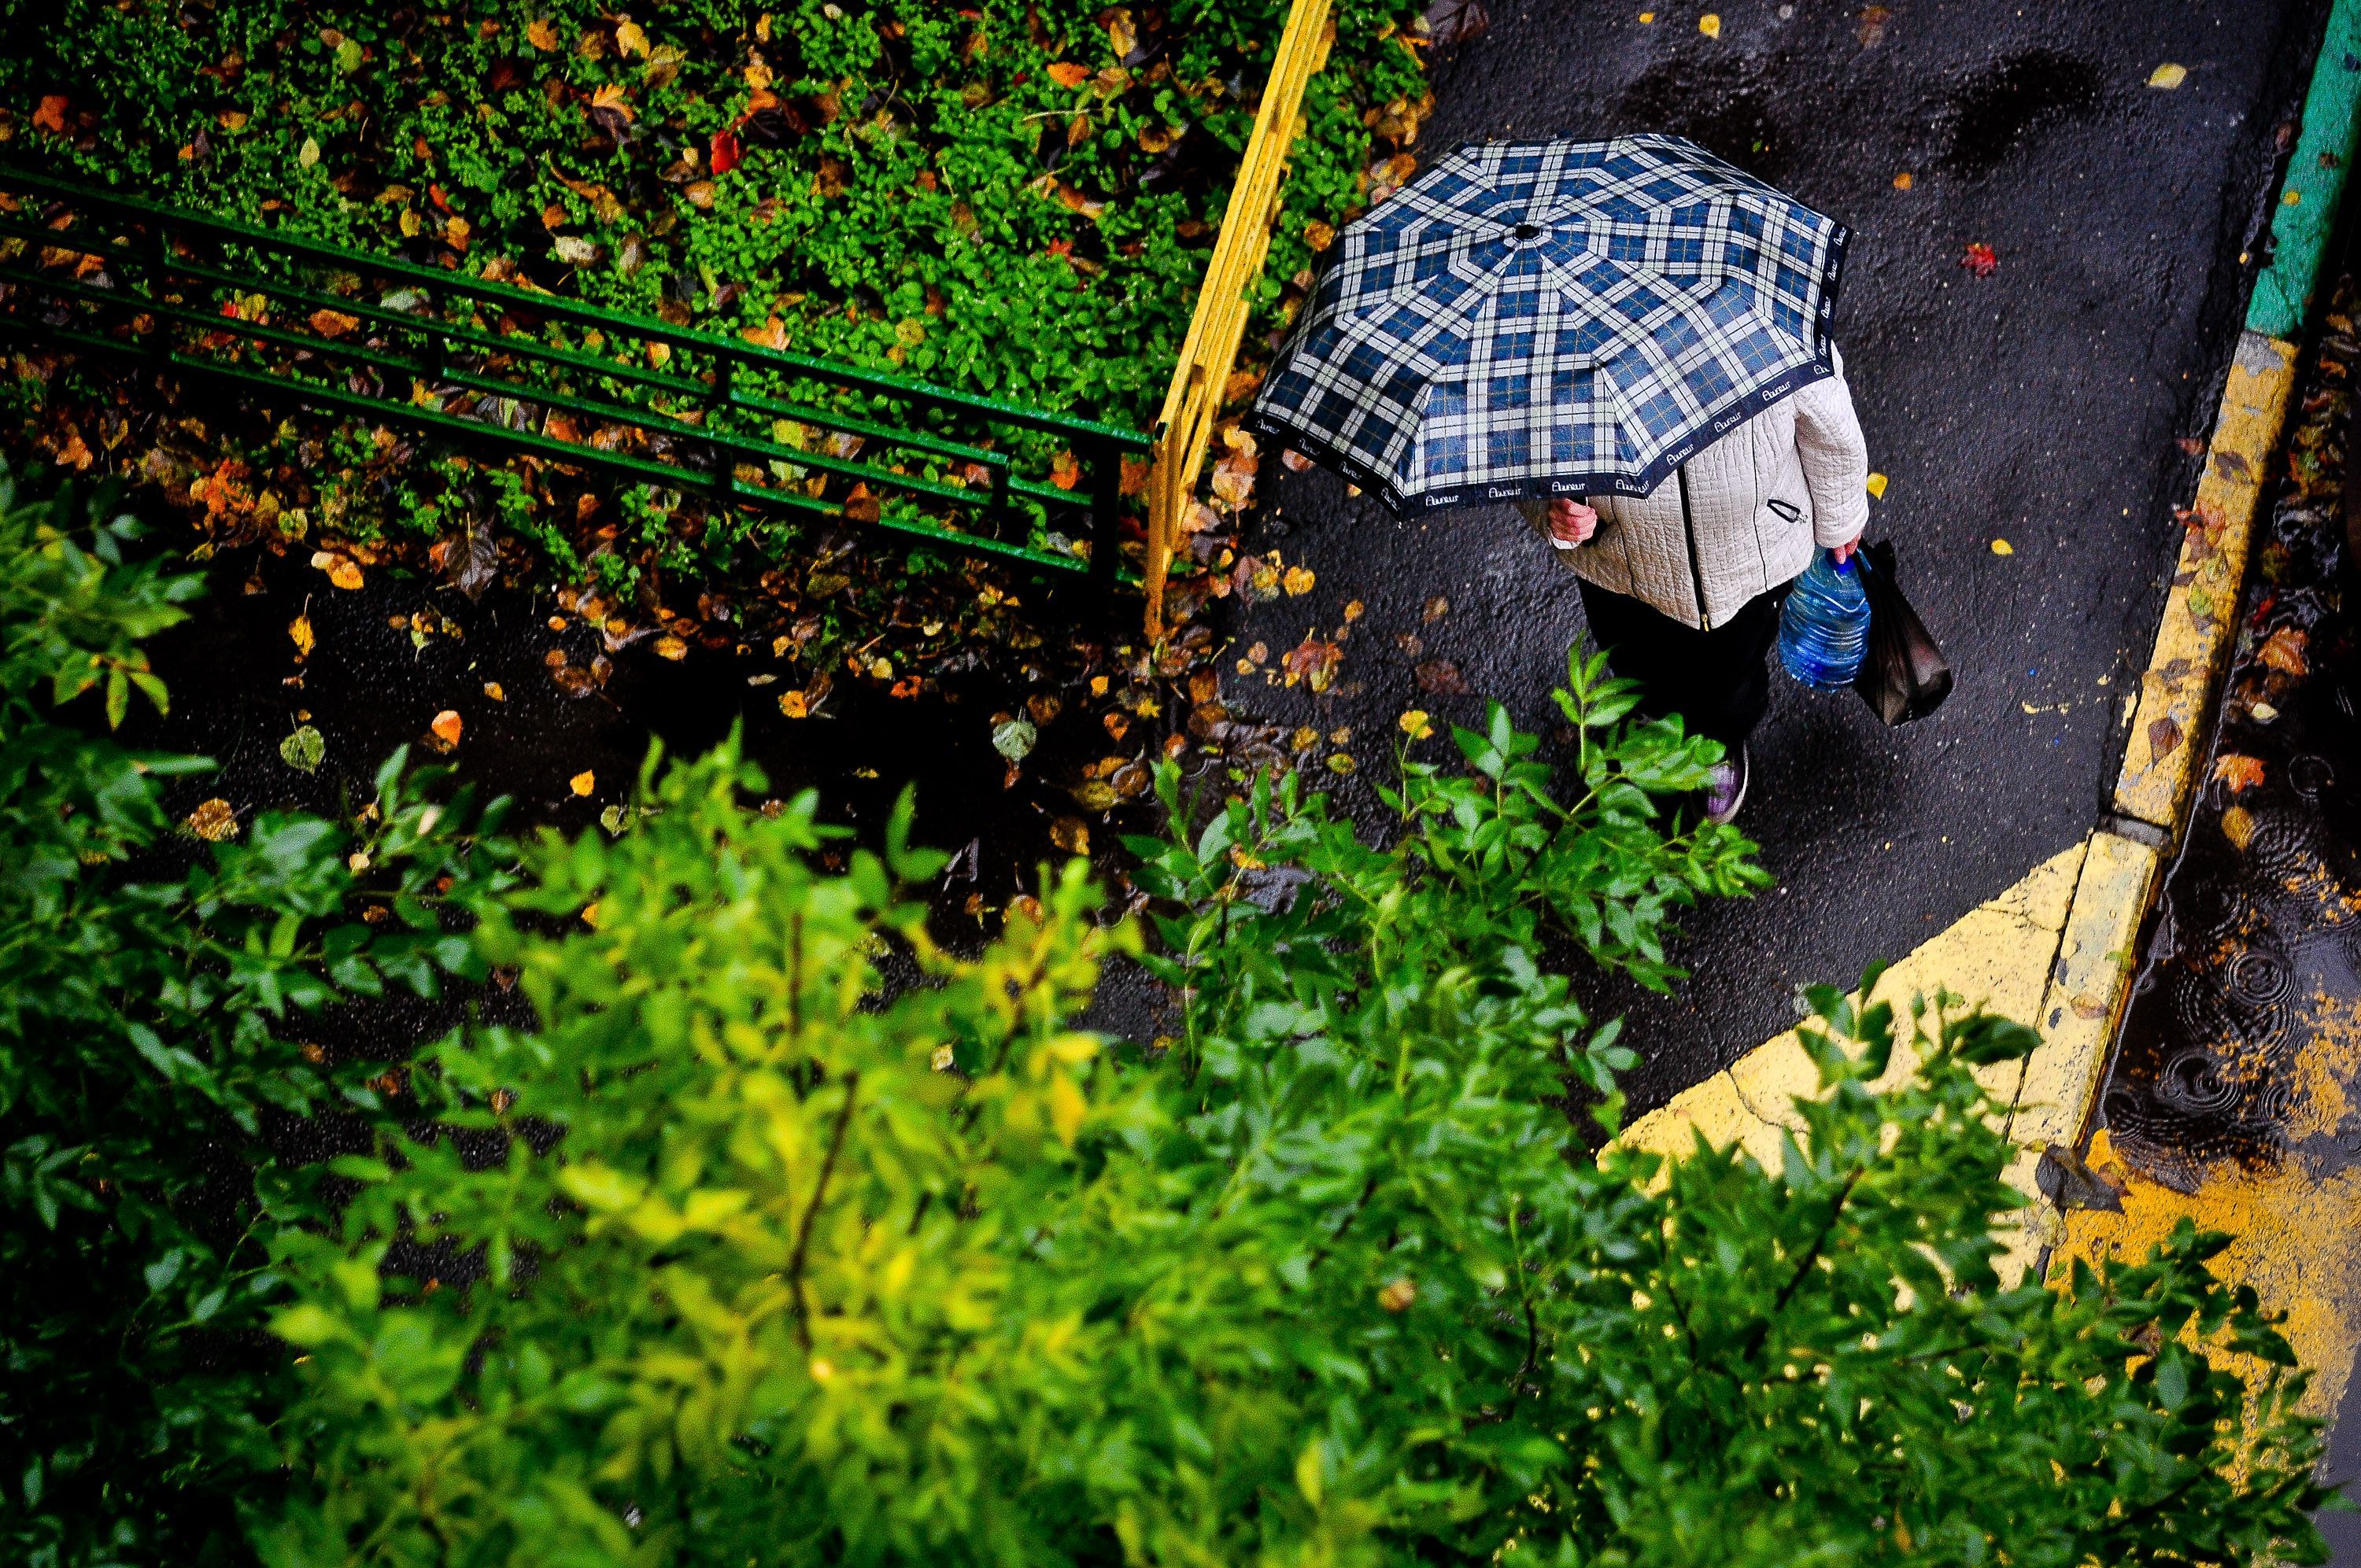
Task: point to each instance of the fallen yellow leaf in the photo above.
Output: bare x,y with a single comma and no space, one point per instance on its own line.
793,705
2003,547
1298,581
1709,25
1416,724
1903,181
630,39
214,820
299,629
340,568
2169,76
493,689
583,783
1646,17
1877,483
671,647
541,35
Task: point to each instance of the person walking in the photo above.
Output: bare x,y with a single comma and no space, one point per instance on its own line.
1682,585
1632,322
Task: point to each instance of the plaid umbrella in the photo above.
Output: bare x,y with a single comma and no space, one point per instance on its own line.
1554,319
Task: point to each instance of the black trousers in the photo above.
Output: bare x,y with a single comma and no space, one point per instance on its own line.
1717,681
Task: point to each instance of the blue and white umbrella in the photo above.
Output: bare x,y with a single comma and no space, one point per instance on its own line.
1554,319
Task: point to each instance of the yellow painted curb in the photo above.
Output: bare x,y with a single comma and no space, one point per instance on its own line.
2089,981
2200,614
2055,947
2000,955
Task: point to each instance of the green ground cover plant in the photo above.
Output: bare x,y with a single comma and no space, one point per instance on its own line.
165,990
736,1218
1009,198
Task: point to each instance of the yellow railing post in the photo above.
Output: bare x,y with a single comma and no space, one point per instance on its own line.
1199,382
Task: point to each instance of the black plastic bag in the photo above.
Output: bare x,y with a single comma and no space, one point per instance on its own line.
1903,674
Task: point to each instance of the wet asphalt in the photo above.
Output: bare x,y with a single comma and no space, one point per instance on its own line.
2043,405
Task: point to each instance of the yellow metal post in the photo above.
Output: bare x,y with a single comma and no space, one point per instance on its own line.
1194,399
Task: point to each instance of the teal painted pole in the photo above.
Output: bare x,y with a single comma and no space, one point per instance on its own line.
2306,219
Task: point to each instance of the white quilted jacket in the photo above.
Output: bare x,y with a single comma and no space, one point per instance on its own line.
1739,518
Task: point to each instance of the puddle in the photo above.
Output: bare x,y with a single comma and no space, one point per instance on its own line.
1993,112
1722,106
2244,1032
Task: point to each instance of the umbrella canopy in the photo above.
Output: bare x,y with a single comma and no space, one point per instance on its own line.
1554,319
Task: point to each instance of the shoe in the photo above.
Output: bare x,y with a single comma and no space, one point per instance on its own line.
1725,787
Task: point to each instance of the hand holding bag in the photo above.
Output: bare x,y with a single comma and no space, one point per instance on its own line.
1903,674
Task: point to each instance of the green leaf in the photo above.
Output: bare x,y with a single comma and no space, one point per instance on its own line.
304,749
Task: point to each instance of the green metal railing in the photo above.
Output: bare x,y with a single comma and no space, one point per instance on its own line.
276,315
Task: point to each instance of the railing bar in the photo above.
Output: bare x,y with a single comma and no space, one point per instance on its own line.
592,365
632,415
562,453
521,347
582,316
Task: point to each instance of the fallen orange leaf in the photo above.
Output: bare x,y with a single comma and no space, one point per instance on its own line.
51,115
1065,74
583,783
2239,772
446,726
2283,652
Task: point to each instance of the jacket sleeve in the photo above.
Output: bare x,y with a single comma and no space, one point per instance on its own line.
1836,459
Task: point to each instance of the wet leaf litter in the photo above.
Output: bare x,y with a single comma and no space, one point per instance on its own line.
2250,967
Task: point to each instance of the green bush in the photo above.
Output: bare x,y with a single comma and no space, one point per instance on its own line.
767,1230
742,1254
161,1004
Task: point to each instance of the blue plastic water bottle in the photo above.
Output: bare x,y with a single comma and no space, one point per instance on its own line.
1824,626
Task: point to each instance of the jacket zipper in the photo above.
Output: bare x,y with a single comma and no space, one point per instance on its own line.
1688,531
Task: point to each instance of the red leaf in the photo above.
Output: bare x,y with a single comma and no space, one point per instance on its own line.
726,153
1981,261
